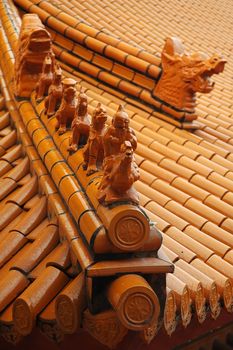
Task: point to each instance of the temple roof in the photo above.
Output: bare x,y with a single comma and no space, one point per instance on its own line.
112,49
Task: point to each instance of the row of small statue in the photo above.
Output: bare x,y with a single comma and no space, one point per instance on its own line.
109,147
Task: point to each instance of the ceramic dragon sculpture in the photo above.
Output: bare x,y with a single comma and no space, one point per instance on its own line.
184,75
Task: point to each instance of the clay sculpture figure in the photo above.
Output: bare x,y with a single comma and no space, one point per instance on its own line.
124,173
183,76
33,46
53,100
46,79
80,124
68,82
119,166
66,111
93,151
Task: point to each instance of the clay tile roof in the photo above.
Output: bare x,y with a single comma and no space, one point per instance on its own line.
112,50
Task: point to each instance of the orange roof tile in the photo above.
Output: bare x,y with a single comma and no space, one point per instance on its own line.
186,180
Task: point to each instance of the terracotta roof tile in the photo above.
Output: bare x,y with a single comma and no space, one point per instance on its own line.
217,232
219,205
182,296
195,166
172,192
189,188
162,224
222,181
179,249
198,148
229,257
186,178
177,169
196,292
186,214
204,211
213,188
214,148
208,241
32,301
40,248
193,244
167,215
223,283
215,166
170,254
13,283
210,288
227,225
36,231
220,265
